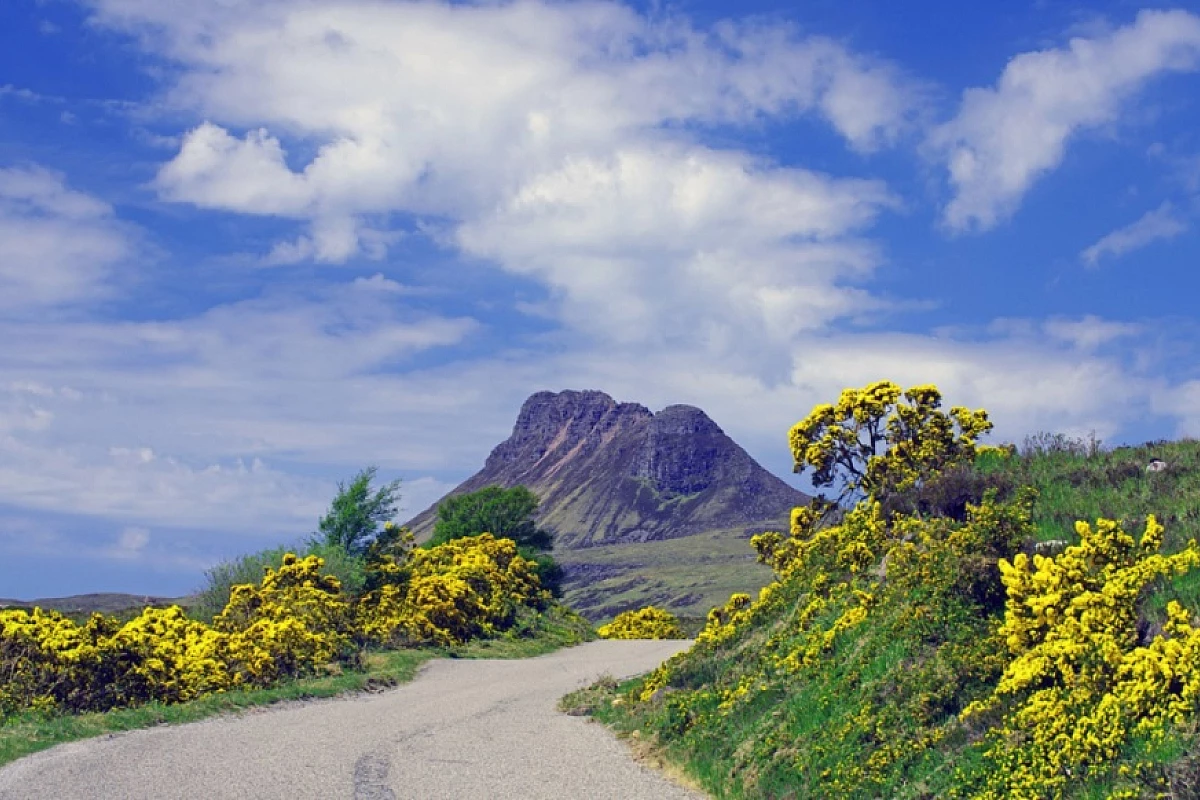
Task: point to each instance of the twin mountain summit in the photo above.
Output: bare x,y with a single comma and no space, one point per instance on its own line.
643,508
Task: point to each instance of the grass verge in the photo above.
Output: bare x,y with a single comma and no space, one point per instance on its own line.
597,701
28,733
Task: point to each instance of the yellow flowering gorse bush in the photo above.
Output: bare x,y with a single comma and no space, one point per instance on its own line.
649,622
464,588
882,439
296,620
50,662
1080,684
47,660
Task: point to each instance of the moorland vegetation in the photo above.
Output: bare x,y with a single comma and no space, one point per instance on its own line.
962,620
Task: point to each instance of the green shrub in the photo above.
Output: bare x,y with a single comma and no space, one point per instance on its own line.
549,572
249,569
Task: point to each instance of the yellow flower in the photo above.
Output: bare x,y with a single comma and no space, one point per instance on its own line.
649,622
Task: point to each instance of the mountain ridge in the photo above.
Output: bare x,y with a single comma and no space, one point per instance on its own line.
613,476
664,475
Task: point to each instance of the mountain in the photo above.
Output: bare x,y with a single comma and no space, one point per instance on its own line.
643,507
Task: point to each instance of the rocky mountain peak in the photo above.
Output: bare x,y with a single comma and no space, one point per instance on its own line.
682,420
619,484
551,426
683,451
608,472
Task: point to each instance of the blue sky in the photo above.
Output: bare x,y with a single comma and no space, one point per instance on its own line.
248,248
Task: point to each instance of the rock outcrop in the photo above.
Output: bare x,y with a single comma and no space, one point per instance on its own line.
612,473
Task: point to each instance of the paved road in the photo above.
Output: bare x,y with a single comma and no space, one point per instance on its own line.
463,729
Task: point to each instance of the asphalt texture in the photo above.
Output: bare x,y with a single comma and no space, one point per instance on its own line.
462,729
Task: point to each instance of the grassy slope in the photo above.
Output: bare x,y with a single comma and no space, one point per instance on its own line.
1116,485
688,575
801,736
385,668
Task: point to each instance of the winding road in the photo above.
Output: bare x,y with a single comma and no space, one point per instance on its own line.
462,729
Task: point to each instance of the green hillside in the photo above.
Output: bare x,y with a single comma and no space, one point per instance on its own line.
688,575
888,659
1076,481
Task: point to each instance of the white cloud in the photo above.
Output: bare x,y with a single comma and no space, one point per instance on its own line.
169,423
549,146
133,484
1090,332
1183,403
1161,223
61,247
671,242
131,543
215,170
1025,385
21,93
1005,138
455,110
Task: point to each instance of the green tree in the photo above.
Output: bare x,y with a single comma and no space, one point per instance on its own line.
355,516
506,513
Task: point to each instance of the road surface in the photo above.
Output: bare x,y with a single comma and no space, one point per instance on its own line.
462,729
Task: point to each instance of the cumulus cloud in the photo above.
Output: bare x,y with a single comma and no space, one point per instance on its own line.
527,122
652,243
61,247
402,73
1161,223
216,170
1180,402
1004,138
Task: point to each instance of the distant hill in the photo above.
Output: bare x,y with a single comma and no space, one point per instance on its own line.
643,507
105,603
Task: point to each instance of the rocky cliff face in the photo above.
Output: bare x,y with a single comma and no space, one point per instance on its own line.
612,473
